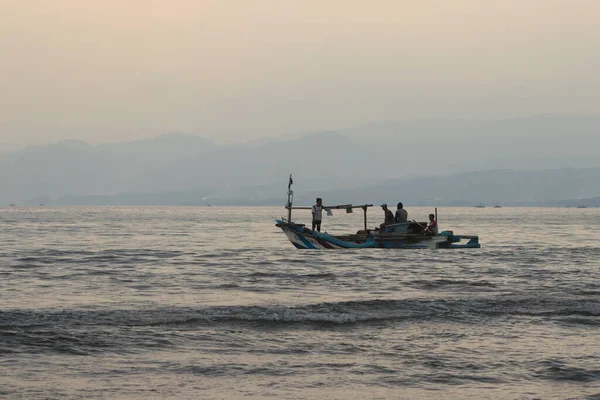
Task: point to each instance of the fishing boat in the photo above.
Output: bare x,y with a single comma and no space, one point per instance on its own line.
405,235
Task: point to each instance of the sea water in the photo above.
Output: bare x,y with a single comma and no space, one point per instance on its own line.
215,303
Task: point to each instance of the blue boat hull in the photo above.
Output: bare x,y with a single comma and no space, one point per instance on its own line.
303,238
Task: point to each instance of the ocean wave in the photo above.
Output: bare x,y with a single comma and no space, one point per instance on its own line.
50,256
334,313
326,275
440,283
556,370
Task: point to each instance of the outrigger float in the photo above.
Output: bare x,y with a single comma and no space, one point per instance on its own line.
406,235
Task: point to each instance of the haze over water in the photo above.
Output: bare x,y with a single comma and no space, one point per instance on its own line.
211,302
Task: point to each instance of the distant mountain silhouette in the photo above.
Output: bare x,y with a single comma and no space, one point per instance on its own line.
160,150
323,159
439,146
55,170
507,187
518,161
73,167
179,164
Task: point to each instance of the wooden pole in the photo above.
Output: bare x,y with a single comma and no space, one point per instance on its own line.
365,213
436,214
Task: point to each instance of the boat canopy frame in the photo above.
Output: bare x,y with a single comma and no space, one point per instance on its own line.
348,207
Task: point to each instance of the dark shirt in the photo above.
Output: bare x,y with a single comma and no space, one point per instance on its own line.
401,215
389,217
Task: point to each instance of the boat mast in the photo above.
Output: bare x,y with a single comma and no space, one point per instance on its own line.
290,199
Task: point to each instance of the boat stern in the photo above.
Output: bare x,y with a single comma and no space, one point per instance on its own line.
456,241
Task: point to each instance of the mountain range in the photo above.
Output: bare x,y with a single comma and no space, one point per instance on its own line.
529,161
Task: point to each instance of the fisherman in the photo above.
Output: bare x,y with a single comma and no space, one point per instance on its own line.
432,226
401,214
389,217
317,214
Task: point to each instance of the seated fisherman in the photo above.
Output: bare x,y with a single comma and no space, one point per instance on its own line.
389,216
432,226
401,214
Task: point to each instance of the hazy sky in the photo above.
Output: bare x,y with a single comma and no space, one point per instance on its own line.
112,70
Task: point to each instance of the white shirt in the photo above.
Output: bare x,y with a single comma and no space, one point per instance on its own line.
317,212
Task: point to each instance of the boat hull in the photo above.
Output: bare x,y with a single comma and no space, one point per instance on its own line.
303,238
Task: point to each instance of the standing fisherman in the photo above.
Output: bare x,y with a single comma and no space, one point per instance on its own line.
317,214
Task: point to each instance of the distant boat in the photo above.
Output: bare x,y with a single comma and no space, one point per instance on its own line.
11,205
497,206
479,206
581,206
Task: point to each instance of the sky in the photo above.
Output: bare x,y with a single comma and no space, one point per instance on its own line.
106,71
